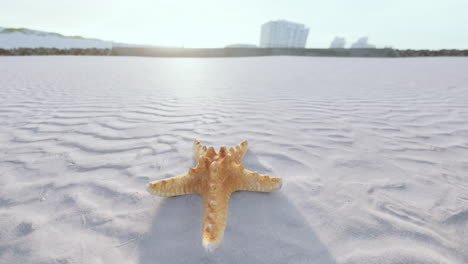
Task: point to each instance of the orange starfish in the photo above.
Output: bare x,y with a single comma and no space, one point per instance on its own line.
215,177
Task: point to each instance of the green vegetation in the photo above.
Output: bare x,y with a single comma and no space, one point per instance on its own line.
11,30
29,31
53,34
41,33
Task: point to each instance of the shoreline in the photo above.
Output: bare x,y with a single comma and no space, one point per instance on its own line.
233,52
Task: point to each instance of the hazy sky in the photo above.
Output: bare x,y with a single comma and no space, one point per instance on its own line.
431,24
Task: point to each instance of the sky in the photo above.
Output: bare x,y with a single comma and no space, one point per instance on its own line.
402,24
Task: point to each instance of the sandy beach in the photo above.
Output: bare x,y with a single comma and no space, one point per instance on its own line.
373,154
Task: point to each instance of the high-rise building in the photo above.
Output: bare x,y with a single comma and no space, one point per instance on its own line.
282,33
338,43
362,44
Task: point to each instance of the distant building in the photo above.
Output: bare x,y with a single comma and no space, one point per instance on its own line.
338,43
241,46
282,33
362,44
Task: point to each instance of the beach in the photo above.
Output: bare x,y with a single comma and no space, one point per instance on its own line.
372,152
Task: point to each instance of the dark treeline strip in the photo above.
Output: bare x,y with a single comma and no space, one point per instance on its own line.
249,52
432,53
53,51
232,52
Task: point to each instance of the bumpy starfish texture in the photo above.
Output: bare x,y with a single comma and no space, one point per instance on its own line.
215,177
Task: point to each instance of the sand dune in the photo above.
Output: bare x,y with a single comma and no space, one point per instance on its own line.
373,154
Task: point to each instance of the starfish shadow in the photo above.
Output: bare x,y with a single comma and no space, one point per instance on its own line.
261,228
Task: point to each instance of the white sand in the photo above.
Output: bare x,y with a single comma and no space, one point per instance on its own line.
373,155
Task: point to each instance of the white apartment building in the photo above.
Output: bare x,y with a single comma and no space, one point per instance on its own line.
338,43
362,44
282,33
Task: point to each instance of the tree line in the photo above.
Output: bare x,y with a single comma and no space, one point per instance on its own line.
54,51
108,52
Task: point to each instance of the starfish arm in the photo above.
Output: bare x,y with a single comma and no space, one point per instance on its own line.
238,152
256,182
198,150
179,185
215,209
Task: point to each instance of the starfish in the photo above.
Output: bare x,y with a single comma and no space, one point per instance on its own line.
214,178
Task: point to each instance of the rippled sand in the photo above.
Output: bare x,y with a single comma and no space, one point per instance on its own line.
373,155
